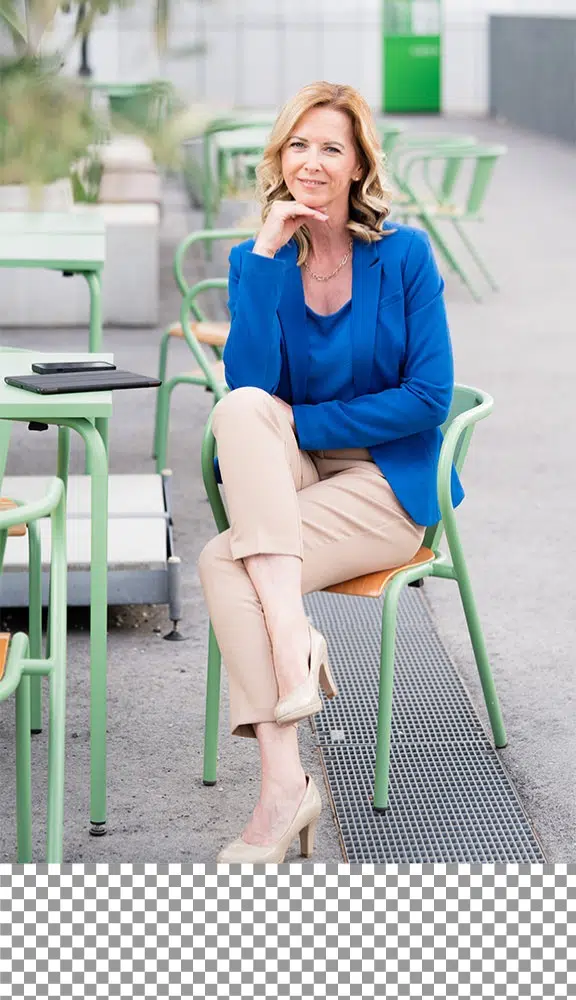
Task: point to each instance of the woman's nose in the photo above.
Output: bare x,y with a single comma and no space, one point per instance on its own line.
312,159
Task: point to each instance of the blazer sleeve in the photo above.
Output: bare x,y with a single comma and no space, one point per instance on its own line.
253,351
422,400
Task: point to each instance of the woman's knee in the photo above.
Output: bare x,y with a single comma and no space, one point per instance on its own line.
215,553
235,405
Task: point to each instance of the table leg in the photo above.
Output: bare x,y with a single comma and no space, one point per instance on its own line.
95,335
98,461
95,332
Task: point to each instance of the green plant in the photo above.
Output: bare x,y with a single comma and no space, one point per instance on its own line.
48,126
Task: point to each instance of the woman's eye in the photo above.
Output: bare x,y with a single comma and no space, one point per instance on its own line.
332,149
296,144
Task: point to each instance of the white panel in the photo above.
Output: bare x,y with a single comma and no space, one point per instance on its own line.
258,13
221,13
295,12
138,56
218,85
464,80
343,57
257,84
371,54
301,58
352,12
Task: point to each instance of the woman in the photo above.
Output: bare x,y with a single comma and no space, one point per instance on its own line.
340,367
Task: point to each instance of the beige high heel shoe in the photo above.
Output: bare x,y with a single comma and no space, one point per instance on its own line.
304,700
303,824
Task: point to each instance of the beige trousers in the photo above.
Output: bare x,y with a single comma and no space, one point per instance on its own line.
333,509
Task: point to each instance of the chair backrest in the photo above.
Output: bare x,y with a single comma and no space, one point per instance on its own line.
442,173
390,133
465,398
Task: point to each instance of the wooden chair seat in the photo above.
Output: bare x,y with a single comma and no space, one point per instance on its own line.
217,368
435,209
17,530
214,334
4,643
373,584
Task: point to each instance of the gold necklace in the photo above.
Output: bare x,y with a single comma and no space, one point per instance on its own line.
326,277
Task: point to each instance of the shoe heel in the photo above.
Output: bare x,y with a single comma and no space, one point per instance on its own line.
327,681
307,839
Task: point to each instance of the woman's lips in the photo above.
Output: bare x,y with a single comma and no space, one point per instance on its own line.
311,184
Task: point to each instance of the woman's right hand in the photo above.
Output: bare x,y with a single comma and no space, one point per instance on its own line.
284,218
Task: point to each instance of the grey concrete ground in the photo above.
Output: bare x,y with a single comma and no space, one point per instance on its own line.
516,527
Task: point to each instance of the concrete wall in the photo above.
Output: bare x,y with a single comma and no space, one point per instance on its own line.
258,52
533,73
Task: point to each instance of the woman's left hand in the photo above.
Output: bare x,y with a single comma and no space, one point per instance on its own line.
287,409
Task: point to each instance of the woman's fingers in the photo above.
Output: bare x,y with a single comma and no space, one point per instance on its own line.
295,209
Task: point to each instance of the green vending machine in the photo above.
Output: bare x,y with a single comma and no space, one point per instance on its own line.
412,55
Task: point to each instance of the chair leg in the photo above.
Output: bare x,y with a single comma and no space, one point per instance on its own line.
162,365
35,625
446,252
212,710
475,255
56,749
163,422
387,649
23,773
481,655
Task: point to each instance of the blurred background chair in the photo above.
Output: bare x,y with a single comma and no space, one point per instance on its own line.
198,331
446,184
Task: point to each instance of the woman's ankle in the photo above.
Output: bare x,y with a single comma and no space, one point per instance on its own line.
287,788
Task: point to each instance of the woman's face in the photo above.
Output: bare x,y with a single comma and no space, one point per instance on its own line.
320,161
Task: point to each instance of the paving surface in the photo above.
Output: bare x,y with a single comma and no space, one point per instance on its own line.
516,527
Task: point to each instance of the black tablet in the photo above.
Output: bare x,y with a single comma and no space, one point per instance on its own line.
94,381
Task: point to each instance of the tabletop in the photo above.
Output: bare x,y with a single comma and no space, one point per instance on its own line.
19,404
68,241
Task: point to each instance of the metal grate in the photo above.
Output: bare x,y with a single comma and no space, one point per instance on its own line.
450,798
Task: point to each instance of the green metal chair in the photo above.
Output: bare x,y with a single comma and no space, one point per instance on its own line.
390,135
21,659
219,149
447,185
469,406
195,328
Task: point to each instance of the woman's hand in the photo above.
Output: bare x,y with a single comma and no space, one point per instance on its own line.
284,219
287,410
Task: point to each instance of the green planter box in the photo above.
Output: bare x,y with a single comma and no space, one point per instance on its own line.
412,73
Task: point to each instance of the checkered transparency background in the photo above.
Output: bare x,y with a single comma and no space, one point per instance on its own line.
331,930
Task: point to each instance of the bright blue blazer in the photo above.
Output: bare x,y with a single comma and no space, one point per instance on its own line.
402,357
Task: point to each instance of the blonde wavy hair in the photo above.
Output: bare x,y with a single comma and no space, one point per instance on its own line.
370,197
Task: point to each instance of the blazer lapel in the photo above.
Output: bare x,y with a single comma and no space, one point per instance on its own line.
292,313
366,279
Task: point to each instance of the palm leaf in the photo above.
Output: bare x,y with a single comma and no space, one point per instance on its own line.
10,17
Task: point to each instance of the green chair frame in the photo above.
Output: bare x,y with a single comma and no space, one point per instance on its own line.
205,375
26,665
468,407
215,162
390,135
434,187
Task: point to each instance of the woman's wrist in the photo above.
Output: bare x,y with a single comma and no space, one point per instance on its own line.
262,250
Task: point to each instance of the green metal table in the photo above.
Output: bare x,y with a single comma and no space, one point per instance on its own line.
71,242
86,413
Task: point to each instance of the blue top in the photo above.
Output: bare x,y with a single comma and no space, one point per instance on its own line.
330,356
402,368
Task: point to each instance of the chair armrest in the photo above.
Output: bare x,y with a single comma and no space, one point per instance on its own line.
24,512
202,286
209,477
203,236
462,423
